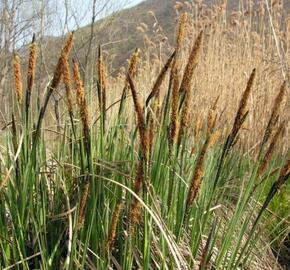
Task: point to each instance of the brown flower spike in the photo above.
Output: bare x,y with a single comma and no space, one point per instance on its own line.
18,78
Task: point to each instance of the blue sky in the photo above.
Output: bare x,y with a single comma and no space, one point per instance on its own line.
82,10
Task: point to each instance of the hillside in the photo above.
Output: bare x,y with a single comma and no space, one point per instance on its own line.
121,34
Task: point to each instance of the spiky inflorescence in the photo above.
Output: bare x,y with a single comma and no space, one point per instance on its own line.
155,93
144,140
68,45
102,82
83,203
180,36
160,79
186,84
175,79
181,32
18,78
133,65
80,93
198,173
285,173
31,66
115,219
242,110
191,65
132,71
268,156
67,83
140,120
64,56
135,207
52,86
212,116
174,123
274,114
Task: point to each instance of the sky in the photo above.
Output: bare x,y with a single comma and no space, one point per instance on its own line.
81,13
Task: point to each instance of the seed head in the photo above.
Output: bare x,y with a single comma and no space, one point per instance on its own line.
18,78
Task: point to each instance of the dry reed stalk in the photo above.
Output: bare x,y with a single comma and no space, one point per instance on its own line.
268,156
114,223
67,83
242,111
156,87
186,84
274,115
141,123
18,78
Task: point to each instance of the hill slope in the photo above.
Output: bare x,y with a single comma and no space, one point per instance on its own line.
120,33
